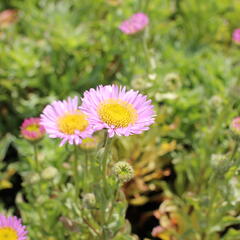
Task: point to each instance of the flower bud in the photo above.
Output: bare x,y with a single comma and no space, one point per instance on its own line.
32,130
49,173
235,125
123,171
172,81
90,143
31,178
217,159
236,36
89,200
219,163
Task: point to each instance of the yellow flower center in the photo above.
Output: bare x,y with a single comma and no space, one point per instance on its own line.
117,113
33,128
7,233
69,123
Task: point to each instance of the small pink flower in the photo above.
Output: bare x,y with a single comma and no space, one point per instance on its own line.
7,17
236,35
11,228
134,24
32,130
235,125
63,119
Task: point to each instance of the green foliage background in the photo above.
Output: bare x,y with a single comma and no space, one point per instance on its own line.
185,61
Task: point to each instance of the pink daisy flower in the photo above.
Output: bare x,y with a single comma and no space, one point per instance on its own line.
236,35
63,119
11,228
122,112
134,24
235,125
32,130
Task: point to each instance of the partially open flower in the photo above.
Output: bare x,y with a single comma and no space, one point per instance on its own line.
32,130
123,171
7,17
236,36
235,125
134,24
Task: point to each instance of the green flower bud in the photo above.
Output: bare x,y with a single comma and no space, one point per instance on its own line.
123,171
89,200
172,81
49,173
31,178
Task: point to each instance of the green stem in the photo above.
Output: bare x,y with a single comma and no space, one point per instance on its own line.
107,146
85,171
88,223
90,226
35,148
105,158
235,149
37,166
113,201
75,171
146,53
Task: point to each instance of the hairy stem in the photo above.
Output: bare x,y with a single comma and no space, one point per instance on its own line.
75,171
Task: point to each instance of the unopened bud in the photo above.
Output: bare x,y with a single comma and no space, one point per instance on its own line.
90,143
123,171
49,172
89,200
172,81
31,178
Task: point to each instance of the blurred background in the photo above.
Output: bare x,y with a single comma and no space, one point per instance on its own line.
185,61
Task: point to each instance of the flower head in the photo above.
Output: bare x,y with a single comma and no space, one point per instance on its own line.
89,200
120,111
11,228
7,17
49,173
134,24
236,35
235,125
32,130
123,171
63,119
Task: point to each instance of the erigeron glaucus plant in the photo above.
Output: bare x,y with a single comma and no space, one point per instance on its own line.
89,204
